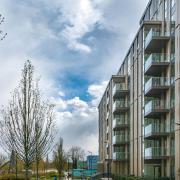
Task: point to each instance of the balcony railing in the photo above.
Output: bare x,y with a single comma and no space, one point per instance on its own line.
120,105
156,58
158,83
120,139
120,122
156,61
120,89
155,33
155,40
156,107
120,156
155,129
158,152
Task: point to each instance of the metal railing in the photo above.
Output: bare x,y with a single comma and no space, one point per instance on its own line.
120,87
120,155
120,121
155,105
117,139
157,82
156,128
158,151
120,104
156,58
154,32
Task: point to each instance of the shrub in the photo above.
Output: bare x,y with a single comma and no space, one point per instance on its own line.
11,177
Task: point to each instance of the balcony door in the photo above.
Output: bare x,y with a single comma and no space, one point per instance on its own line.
157,171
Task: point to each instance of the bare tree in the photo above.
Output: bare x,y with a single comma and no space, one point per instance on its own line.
27,124
59,157
2,159
76,153
2,35
44,133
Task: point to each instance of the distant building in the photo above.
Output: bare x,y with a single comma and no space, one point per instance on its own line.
81,165
92,162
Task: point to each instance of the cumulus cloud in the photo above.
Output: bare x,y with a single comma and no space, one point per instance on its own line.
77,120
48,33
79,18
96,91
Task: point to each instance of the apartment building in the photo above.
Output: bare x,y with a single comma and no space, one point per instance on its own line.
139,112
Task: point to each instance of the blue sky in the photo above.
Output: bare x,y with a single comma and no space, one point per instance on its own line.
75,46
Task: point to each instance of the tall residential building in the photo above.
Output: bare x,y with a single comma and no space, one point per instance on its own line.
139,112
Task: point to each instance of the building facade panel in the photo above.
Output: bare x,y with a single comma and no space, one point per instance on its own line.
149,144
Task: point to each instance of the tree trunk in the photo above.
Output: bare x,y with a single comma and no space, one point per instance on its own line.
59,175
37,169
16,167
26,173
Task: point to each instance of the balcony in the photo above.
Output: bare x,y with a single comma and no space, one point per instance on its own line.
120,90
120,106
156,85
155,40
155,64
120,139
158,153
120,123
155,108
120,156
154,131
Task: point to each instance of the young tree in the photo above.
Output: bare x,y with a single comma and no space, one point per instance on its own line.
2,159
2,35
44,133
27,124
59,157
76,153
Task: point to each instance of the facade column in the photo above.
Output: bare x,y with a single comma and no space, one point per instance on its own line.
177,93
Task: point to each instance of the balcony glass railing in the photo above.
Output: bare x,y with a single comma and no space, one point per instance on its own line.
119,122
157,82
158,151
155,105
155,152
154,33
156,58
120,104
156,128
120,87
118,139
120,155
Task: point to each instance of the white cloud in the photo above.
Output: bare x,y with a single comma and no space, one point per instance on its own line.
77,120
61,94
77,103
96,91
30,34
80,17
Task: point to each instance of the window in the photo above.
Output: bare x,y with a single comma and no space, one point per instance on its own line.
173,10
166,10
129,64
